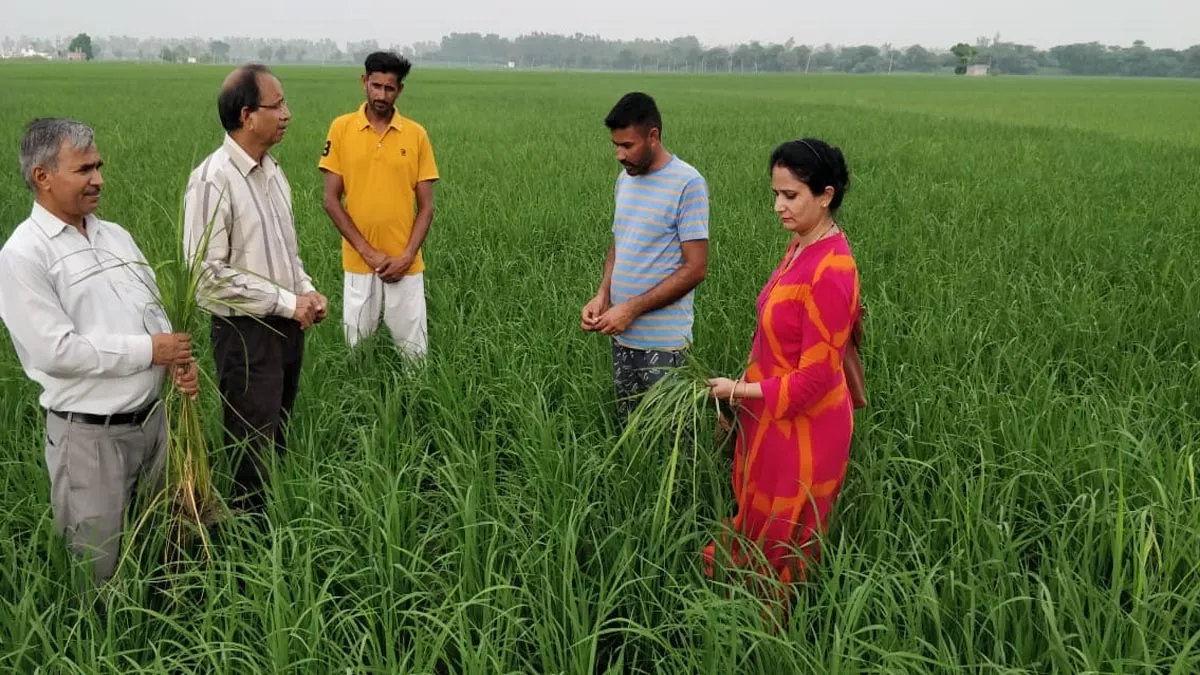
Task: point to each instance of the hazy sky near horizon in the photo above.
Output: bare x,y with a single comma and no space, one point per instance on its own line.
933,23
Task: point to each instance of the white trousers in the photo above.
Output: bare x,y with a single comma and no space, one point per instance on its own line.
365,297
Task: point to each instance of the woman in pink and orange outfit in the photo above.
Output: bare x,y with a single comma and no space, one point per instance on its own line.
795,414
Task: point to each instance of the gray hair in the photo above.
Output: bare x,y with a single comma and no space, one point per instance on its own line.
44,138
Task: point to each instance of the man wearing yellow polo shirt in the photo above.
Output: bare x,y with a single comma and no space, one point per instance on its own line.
381,163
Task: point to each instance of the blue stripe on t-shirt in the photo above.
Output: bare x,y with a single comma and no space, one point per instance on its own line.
654,214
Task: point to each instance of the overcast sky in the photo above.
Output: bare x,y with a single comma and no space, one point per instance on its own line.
935,23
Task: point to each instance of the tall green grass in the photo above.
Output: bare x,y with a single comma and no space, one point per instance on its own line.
1022,495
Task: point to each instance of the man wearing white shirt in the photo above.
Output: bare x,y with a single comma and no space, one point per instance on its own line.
238,209
78,299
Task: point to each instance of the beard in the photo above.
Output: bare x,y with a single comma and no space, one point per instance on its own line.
638,168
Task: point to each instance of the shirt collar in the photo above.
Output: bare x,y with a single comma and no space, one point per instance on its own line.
242,159
364,123
51,225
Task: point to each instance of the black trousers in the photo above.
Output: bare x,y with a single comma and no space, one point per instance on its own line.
258,369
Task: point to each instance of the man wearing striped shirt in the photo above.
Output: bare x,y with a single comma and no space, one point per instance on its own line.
658,256
239,219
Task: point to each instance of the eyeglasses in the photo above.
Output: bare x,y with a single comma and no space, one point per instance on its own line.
275,106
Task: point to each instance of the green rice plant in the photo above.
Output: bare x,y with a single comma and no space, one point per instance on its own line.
675,413
186,285
183,285
189,485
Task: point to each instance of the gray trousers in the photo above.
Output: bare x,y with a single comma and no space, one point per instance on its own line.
93,472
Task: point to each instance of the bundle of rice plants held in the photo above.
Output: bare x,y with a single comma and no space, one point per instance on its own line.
675,413
183,285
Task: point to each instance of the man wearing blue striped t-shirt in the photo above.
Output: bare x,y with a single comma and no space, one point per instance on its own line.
658,256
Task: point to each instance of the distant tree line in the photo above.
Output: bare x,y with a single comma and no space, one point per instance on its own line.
683,54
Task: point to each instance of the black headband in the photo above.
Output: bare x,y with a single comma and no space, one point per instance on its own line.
819,156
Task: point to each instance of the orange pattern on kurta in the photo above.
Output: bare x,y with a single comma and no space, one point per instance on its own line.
793,445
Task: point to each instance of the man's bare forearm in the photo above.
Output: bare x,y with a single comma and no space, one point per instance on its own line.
605,289
679,283
345,225
668,290
421,226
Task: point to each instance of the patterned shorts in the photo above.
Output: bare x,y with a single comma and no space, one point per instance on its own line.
636,370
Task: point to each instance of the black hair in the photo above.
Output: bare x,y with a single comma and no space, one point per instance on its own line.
388,62
816,164
634,109
241,93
